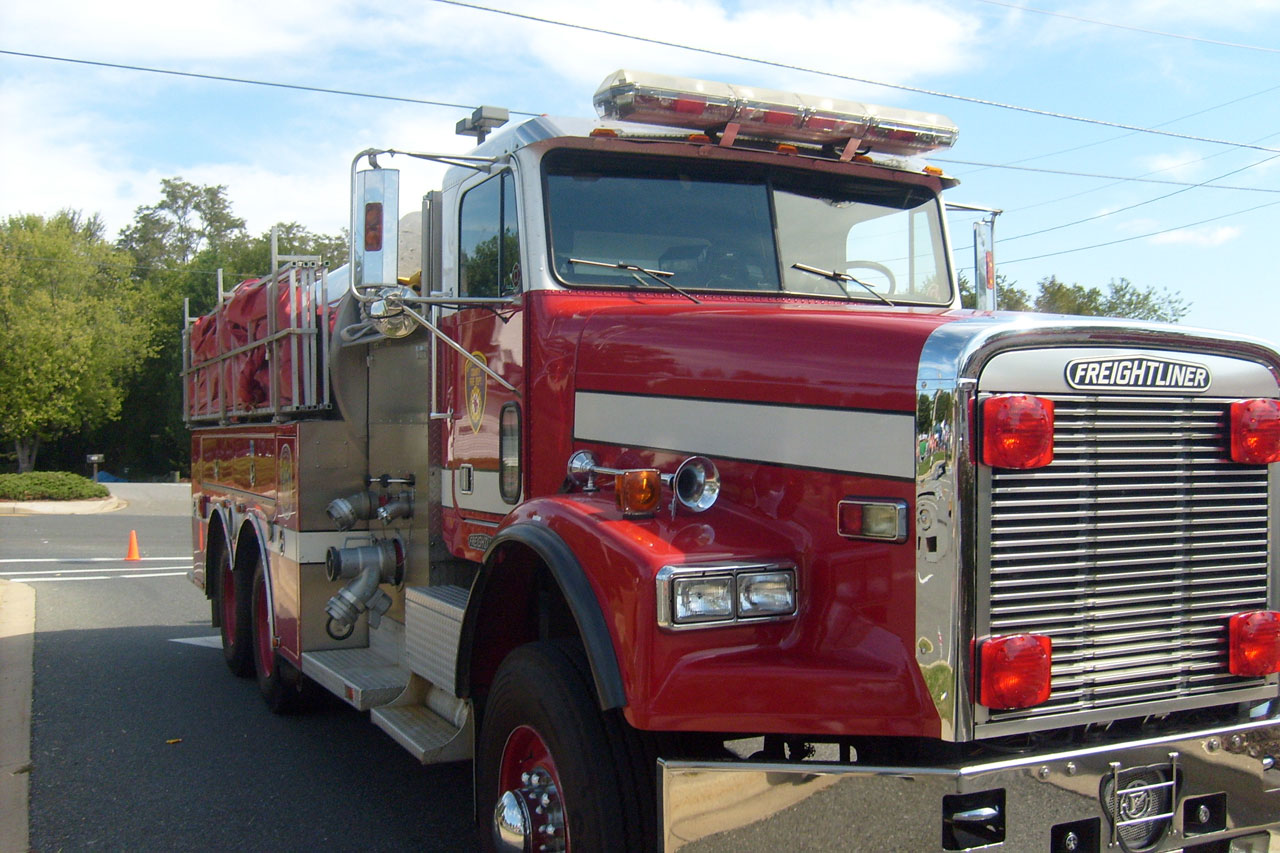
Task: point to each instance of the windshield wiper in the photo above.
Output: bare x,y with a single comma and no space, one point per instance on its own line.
832,275
660,276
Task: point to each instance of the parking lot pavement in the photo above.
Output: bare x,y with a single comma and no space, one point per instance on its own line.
17,629
17,625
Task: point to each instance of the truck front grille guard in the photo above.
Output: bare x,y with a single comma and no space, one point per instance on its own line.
1199,544
1130,550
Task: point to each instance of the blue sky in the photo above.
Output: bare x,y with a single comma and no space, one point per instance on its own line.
100,140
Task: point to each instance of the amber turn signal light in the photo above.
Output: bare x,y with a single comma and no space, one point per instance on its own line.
638,491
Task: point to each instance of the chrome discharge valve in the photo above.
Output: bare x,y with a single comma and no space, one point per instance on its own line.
366,567
346,512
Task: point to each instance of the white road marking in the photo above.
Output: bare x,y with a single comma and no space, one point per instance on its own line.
91,571
55,580
91,559
102,573
211,642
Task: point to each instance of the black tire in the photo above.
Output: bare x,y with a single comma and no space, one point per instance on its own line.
235,620
603,778
278,680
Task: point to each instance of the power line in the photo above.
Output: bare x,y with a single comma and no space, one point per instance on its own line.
1116,178
1128,207
898,86
249,82
1141,236
1143,30
600,31
1140,203
1109,139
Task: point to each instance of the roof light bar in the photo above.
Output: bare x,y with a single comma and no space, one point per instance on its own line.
684,102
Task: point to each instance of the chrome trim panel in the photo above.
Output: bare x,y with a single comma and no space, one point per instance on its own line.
759,432
1045,372
724,806
948,544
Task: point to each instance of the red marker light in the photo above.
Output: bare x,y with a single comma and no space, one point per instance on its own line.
1254,643
1017,431
689,106
1255,432
1014,671
373,226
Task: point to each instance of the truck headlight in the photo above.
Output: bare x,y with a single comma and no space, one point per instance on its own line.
766,594
701,599
705,596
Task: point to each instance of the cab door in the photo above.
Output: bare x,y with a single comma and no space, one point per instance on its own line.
481,468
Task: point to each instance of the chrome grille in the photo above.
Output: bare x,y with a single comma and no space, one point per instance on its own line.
1130,551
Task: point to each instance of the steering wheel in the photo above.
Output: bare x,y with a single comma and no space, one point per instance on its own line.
730,268
891,281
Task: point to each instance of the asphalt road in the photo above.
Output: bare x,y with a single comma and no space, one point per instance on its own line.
142,740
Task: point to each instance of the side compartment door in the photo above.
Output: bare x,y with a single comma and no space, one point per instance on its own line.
479,487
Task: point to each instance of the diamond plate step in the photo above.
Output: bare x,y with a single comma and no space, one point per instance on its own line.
429,737
364,678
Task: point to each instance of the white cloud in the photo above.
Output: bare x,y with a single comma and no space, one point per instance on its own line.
1203,238
146,30
102,139
866,39
1168,15
1180,165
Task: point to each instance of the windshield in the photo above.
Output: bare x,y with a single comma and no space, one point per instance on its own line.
702,226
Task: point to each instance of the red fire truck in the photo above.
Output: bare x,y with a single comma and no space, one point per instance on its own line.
654,467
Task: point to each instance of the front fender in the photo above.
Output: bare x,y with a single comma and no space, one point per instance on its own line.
606,567
551,548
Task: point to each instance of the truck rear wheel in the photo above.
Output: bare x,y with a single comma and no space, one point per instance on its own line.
551,768
277,678
234,617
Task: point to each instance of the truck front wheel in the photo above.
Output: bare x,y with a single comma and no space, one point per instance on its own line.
551,768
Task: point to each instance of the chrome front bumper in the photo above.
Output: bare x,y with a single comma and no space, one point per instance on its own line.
1225,785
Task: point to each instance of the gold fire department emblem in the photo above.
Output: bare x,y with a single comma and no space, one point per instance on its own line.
474,382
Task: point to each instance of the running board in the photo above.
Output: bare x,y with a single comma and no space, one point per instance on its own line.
362,677
427,736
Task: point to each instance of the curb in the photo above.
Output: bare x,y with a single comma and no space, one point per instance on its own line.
17,642
110,504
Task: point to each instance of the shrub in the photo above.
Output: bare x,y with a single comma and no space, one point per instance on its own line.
49,486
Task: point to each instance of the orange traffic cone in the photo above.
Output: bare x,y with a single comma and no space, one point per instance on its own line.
133,546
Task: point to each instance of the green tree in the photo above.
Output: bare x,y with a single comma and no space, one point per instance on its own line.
1121,299
1008,297
187,219
179,243
73,329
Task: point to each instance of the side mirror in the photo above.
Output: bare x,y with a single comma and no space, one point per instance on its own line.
375,214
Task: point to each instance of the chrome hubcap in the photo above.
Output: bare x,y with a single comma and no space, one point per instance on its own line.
530,819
